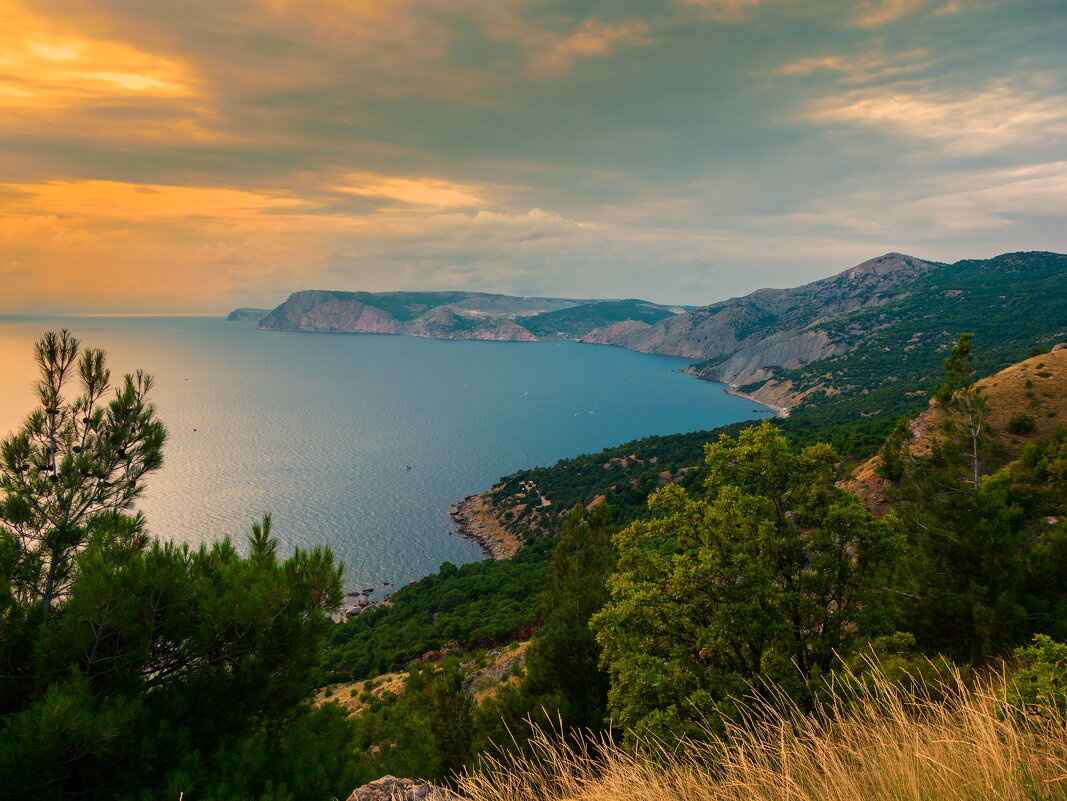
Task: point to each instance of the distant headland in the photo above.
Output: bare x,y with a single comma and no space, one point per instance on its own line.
774,346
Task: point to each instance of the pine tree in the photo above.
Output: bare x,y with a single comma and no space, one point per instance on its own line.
131,668
563,657
77,463
965,565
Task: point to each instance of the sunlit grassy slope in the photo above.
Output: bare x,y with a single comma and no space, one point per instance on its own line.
875,743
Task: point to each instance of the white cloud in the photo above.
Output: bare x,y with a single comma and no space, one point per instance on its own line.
962,123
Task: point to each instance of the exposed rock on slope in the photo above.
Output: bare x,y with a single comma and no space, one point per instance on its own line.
390,788
878,330
754,329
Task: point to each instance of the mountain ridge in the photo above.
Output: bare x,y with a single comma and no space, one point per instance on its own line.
769,344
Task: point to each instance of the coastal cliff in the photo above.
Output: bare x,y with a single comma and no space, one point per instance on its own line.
247,314
456,315
854,332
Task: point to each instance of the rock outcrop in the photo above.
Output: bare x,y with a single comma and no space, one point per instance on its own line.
390,788
761,344
731,325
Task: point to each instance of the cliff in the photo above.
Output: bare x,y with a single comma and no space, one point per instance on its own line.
247,314
888,320
457,315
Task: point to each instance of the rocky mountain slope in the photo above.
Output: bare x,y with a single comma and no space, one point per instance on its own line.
879,355
741,326
457,315
889,319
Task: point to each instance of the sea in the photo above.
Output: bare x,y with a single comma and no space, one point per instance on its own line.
362,442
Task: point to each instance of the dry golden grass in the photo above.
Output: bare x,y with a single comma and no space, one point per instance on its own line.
1036,387
881,745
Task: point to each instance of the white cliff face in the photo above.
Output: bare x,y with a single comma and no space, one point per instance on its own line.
456,315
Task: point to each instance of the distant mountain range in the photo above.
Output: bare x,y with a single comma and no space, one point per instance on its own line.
885,321
460,315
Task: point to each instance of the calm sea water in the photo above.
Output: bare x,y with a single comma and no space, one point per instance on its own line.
318,428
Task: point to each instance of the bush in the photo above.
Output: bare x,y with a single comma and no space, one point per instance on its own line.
1041,685
1021,423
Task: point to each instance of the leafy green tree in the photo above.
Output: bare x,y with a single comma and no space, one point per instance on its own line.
1039,687
424,732
768,576
966,412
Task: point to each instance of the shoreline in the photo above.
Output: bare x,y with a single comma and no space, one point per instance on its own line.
475,520
779,411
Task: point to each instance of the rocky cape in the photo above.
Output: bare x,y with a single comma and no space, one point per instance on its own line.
760,344
458,315
247,314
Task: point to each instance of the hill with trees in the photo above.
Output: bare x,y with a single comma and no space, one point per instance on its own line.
716,591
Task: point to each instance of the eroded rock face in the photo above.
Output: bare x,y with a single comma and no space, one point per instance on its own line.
787,350
739,323
611,334
390,788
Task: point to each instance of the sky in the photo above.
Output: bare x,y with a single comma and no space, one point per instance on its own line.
201,155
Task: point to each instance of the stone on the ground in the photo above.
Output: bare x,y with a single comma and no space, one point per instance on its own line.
390,788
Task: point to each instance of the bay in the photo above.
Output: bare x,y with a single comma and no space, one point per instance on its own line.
319,429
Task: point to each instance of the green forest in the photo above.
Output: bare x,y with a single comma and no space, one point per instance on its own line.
679,610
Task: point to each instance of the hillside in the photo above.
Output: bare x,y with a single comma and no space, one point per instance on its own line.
457,315
892,352
1029,397
746,327
869,338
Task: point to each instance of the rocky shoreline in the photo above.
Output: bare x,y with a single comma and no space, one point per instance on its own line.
475,519
780,411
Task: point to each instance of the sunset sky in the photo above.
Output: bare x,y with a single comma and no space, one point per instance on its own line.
199,155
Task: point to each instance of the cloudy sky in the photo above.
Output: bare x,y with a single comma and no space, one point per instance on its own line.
204,154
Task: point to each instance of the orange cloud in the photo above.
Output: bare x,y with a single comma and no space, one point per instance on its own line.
426,192
860,68
731,10
55,66
85,244
56,77
870,13
555,54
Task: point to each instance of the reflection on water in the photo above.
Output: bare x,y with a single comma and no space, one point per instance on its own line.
319,428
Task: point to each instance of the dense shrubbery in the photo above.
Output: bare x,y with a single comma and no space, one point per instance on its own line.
473,606
965,567
133,669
